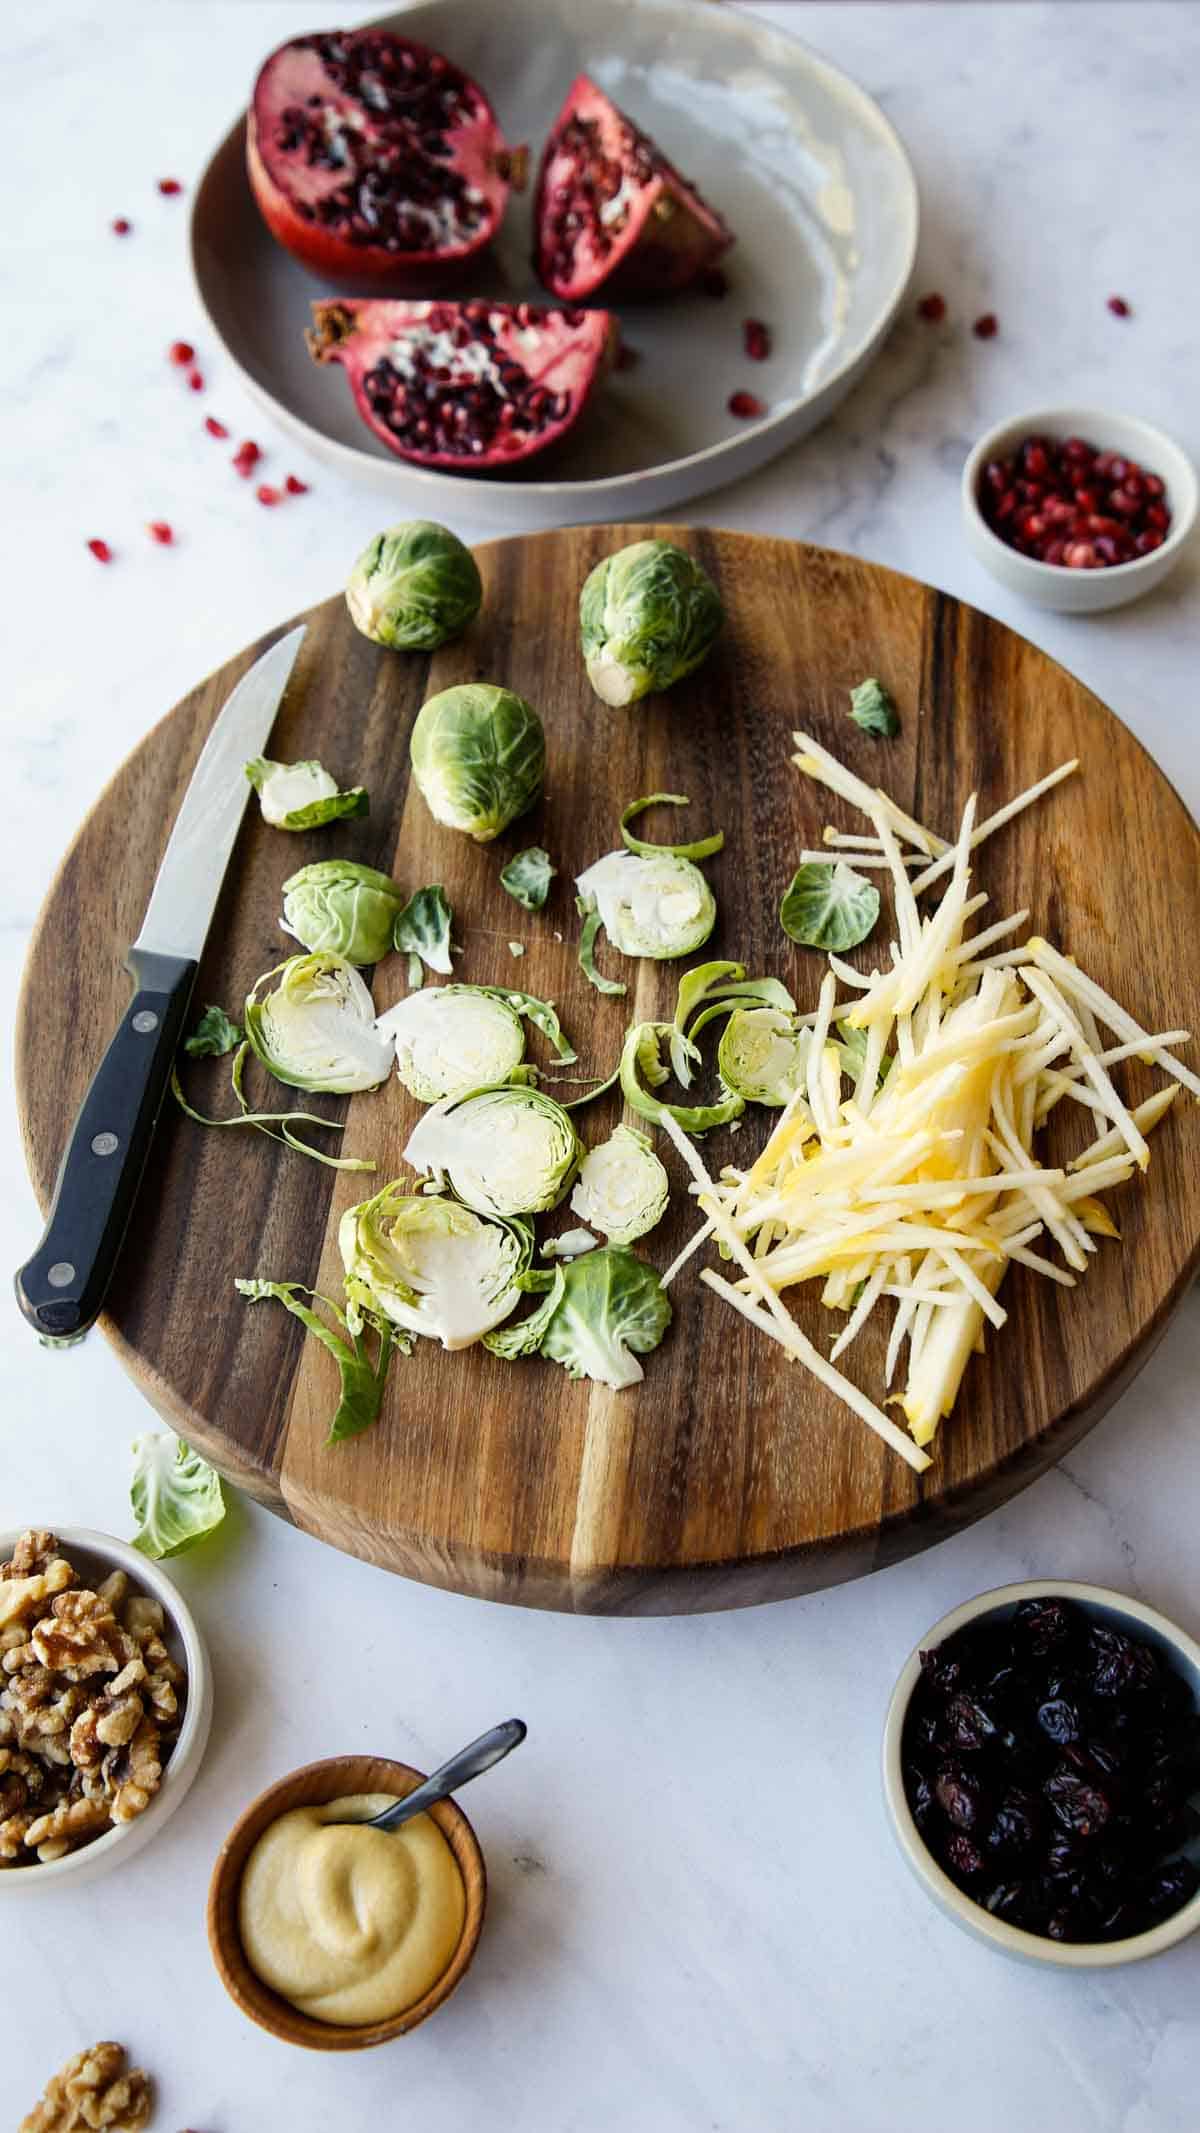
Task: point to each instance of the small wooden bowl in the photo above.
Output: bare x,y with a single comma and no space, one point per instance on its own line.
337,1776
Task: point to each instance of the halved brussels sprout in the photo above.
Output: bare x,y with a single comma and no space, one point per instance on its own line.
431,1266
337,907
414,587
453,1038
505,1151
622,1188
661,907
647,616
316,1028
762,1055
479,757
302,796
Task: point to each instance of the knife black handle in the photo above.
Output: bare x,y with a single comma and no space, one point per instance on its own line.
61,1289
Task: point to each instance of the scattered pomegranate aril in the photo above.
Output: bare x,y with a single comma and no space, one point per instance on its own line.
246,458
757,339
747,404
181,353
195,381
932,307
215,428
986,326
296,487
1119,307
159,531
101,550
1068,504
169,187
267,495
715,282
122,226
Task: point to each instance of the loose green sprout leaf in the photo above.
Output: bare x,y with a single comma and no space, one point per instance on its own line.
422,933
526,1335
431,1267
414,587
454,1038
277,1125
647,616
213,1036
599,1088
613,1308
872,708
588,912
702,848
542,1015
829,907
528,876
660,907
641,1063
622,1189
479,757
505,1151
302,796
337,907
362,1381
316,1028
762,1055
176,1496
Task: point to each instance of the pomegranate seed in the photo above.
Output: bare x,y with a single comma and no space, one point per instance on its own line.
122,226
169,187
1066,503
181,353
932,307
1154,487
267,495
757,339
195,381
296,487
246,458
986,326
1080,555
215,428
1157,516
627,356
1119,307
159,531
714,282
101,550
747,404
1146,543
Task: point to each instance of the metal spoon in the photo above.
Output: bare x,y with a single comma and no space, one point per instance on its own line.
470,1762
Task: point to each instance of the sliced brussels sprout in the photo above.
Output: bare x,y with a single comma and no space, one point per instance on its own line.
422,933
647,616
430,1266
830,907
571,1245
716,989
414,587
479,757
337,907
362,1381
622,1188
660,907
505,1151
453,1038
592,922
302,796
642,1071
528,876
315,1028
277,1125
762,1055
700,848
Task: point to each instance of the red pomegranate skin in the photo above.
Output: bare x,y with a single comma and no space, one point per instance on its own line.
374,159
612,213
476,387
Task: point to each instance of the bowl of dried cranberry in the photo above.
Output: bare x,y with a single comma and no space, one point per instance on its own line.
1041,1766
1078,510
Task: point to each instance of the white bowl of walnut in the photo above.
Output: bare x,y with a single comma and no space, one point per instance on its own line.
105,1704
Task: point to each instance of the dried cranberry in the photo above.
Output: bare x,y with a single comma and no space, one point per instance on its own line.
1084,1810
967,1724
941,1671
932,307
959,1793
747,404
961,1856
1119,1665
920,1798
1045,1626
1059,1719
1016,1823
1169,1887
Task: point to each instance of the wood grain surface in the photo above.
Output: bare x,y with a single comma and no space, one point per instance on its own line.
730,1476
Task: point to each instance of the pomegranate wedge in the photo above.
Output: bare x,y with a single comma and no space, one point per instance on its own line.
472,386
612,212
373,158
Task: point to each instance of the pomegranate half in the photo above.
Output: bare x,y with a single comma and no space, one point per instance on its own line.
471,386
612,212
373,158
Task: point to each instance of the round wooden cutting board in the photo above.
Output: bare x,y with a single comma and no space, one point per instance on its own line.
729,1476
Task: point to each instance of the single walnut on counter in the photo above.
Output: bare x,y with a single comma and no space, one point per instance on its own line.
94,2090
90,1704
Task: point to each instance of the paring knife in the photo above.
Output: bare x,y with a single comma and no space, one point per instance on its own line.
61,1289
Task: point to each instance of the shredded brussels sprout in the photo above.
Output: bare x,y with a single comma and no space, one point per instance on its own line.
176,1496
642,1071
588,912
277,1125
302,796
716,989
430,1266
451,1039
528,876
505,1151
315,1029
622,1188
647,616
829,907
762,1055
479,757
337,907
422,933
701,848
660,907
414,587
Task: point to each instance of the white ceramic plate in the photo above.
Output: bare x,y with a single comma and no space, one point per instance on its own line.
798,158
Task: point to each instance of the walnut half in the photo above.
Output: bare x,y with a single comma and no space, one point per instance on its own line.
95,2090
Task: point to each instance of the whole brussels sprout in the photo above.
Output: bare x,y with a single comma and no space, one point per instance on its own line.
337,907
414,587
647,616
478,756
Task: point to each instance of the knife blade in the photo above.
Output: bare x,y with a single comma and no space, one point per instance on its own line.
61,1288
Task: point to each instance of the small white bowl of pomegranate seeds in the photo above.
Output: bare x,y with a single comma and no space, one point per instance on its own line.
1076,509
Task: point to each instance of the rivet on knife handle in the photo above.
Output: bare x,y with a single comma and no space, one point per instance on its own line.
61,1288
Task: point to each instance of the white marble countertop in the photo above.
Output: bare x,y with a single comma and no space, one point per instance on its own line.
656,1956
